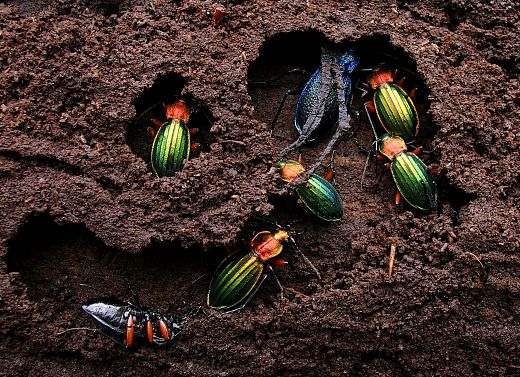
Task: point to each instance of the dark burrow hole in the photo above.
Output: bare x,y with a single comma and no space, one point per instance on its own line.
150,105
457,197
286,61
106,7
54,260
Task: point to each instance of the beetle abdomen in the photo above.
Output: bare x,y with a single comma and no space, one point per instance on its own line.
234,280
414,183
308,103
321,198
170,149
396,111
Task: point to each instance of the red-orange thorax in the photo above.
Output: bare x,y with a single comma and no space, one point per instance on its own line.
379,77
290,170
267,245
178,110
392,145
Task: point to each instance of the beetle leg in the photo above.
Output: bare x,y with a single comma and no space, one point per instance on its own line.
329,175
277,281
367,110
130,331
401,81
369,105
412,93
304,257
164,330
290,92
149,330
434,171
195,147
278,262
388,166
398,198
417,151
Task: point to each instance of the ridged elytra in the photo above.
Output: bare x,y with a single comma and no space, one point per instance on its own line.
171,140
410,174
317,194
170,148
238,277
321,198
394,108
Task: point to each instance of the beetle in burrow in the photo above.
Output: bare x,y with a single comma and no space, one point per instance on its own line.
126,322
324,102
393,106
240,275
411,176
171,139
317,194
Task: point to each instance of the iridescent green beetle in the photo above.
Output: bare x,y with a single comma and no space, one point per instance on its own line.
410,174
317,194
171,141
394,107
240,275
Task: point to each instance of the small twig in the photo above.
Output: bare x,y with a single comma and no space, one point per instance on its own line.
294,291
230,141
476,258
393,250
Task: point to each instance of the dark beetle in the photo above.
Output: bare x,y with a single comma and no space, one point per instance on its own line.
126,322
321,105
317,194
310,93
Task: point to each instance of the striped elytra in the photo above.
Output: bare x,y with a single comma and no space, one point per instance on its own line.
234,280
321,198
396,111
414,183
170,149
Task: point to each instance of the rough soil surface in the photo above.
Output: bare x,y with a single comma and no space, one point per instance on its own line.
80,205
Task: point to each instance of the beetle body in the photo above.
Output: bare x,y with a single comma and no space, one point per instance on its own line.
170,149
309,96
394,107
127,323
410,174
317,194
236,279
171,142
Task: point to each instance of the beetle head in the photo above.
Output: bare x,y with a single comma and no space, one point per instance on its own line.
349,60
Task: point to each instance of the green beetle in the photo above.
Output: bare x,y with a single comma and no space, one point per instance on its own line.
240,275
410,174
171,140
318,195
394,107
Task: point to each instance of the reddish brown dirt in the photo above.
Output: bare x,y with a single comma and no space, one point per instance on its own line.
78,206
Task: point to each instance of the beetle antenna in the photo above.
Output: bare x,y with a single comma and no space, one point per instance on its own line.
97,290
76,329
305,258
277,281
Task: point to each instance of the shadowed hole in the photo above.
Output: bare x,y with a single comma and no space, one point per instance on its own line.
286,61
150,105
53,260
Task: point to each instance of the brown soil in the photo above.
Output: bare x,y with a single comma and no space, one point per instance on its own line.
79,203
